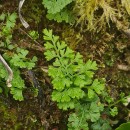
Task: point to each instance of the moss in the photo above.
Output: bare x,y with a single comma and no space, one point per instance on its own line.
97,15
72,37
7,116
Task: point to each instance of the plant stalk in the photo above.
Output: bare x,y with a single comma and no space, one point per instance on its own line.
10,72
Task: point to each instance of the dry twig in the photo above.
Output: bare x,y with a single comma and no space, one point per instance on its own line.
10,72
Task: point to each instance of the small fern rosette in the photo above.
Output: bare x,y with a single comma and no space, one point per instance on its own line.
69,73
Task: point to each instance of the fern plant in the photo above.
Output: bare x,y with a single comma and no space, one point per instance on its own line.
6,28
57,10
16,60
84,113
55,6
72,79
64,15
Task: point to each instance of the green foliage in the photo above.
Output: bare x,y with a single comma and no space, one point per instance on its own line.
58,11
124,126
76,123
112,104
92,15
20,60
64,15
17,85
95,87
83,114
3,72
69,73
54,6
16,61
34,34
74,86
101,124
6,27
114,111
1,90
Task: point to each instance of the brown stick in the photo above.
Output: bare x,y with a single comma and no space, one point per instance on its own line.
10,72
123,67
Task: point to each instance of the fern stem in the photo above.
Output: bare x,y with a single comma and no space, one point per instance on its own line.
81,118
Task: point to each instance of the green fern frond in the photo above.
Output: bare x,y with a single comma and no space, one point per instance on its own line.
55,6
63,15
69,73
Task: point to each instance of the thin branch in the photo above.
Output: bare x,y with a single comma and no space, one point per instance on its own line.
29,36
10,72
44,69
123,67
